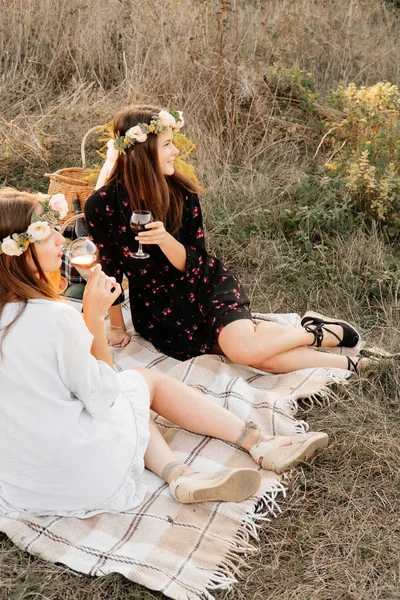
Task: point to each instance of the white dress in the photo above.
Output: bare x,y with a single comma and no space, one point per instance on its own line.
63,449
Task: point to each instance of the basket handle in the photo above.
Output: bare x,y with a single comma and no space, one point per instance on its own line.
63,179
70,221
91,130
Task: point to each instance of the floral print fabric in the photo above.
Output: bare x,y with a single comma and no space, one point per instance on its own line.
181,314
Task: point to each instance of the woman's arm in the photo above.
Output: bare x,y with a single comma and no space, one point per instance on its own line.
108,254
116,318
117,336
103,235
84,361
193,234
99,293
99,347
173,250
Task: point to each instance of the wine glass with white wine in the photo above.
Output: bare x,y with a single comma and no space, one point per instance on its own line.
83,255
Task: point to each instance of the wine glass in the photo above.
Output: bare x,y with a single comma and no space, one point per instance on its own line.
138,221
82,254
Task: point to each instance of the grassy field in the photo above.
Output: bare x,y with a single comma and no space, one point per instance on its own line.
69,65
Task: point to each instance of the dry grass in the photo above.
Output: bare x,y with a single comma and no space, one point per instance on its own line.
68,65
338,535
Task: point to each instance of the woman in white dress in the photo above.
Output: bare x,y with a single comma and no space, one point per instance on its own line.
74,435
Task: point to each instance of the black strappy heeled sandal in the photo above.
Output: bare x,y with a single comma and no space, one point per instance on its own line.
378,354
352,365
318,333
316,324
372,355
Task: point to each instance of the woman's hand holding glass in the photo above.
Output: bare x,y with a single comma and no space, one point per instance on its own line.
100,293
155,233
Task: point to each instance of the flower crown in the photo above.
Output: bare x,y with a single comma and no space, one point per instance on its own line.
159,123
54,208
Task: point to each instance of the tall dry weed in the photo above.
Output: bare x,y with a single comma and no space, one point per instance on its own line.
208,58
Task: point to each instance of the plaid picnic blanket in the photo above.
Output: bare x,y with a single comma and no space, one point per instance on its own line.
184,551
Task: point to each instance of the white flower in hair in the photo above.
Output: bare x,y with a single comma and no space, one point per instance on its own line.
179,123
166,119
10,247
59,204
135,134
40,230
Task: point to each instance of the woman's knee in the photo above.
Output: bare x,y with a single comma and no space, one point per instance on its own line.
245,343
151,378
271,365
238,341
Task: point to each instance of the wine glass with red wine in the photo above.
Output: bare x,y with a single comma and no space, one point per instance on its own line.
82,254
138,221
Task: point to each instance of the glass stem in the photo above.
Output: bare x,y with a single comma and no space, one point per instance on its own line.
140,249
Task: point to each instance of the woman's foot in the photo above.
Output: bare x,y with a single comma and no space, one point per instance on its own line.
329,332
275,457
357,364
369,357
230,485
280,453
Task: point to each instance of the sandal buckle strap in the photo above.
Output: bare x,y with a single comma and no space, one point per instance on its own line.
170,467
352,365
318,331
248,426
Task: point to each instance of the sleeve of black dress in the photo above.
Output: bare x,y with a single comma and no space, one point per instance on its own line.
193,233
199,265
100,231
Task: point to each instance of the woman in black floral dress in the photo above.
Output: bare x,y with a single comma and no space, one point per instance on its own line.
182,299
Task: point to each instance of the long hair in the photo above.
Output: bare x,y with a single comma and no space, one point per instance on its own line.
17,280
139,170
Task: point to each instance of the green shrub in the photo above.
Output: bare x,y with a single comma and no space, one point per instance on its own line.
365,150
293,87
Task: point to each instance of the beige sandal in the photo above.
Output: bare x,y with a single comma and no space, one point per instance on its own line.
270,455
230,485
282,458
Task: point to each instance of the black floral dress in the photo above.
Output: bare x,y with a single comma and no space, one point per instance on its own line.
180,313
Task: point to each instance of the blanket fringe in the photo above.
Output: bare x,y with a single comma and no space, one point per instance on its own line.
267,504
221,582
301,427
322,398
206,596
229,570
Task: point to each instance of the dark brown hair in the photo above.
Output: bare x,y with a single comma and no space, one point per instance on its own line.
17,280
139,170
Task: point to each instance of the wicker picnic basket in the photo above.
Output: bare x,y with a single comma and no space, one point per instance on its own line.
70,182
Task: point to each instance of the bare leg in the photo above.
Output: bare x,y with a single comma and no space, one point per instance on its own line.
302,358
159,454
271,347
187,485
192,410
